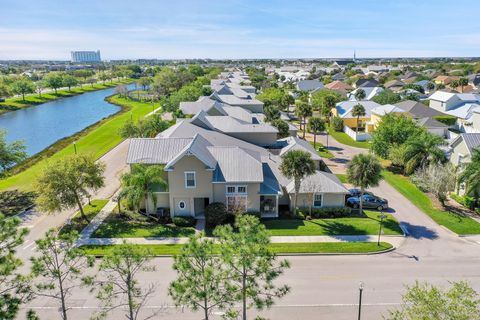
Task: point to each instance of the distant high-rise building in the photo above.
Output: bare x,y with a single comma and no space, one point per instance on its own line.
86,56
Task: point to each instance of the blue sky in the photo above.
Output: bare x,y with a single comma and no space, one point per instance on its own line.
47,29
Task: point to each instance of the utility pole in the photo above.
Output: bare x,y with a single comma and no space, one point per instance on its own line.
360,291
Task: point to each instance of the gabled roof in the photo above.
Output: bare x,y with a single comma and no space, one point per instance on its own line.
295,143
472,140
236,165
339,86
204,103
431,123
198,148
232,125
370,92
418,109
441,96
387,108
309,85
366,83
320,182
345,108
394,83
145,150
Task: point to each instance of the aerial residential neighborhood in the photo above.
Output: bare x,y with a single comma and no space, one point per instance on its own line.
239,160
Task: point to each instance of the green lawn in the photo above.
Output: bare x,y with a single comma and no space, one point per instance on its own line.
454,222
116,227
279,248
34,99
322,151
91,210
96,142
342,177
344,138
333,227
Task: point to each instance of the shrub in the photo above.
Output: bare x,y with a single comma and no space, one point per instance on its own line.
184,221
337,124
448,120
215,214
326,213
465,201
256,214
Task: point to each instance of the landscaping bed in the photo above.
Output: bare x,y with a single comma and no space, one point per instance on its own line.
366,225
462,225
278,248
322,151
119,226
77,223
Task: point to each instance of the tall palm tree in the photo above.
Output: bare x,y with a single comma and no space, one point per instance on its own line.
297,165
454,84
462,82
303,110
316,125
422,150
138,184
358,111
471,177
360,94
364,171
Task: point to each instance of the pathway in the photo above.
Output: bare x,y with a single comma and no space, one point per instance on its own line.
396,241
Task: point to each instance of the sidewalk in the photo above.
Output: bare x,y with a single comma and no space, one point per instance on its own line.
396,241
96,222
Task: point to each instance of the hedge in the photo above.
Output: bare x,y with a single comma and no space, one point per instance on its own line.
448,120
184,221
324,213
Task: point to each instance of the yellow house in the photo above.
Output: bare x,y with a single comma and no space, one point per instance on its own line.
344,110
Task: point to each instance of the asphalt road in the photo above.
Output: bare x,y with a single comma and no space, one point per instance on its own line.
322,287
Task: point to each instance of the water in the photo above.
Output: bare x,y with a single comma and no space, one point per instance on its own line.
44,124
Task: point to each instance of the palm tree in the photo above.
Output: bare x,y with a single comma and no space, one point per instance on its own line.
454,84
430,86
297,165
462,82
303,110
316,125
422,150
329,103
358,111
138,184
360,94
364,171
471,177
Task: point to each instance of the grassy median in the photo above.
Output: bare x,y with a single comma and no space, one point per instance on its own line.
458,224
278,248
96,141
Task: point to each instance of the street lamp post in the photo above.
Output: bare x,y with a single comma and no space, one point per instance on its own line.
360,291
381,216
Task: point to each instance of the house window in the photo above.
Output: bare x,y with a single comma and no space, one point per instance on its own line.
317,200
237,203
242,189
190,180
236,189
181,205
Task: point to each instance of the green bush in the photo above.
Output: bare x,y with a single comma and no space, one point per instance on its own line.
337,124
465,201
448,120
256,214
184,221
327,213
215,214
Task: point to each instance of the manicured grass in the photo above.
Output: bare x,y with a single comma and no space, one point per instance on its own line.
114,226
77,223
342,177
458,224
34,99
96,142
344,138
333,227
279,248
322,151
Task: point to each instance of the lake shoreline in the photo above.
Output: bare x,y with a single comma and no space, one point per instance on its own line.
5,107
65,141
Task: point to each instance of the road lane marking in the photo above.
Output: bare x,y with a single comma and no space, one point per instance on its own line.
28,245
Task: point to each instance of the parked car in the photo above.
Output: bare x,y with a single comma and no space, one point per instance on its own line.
356,193
369,202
